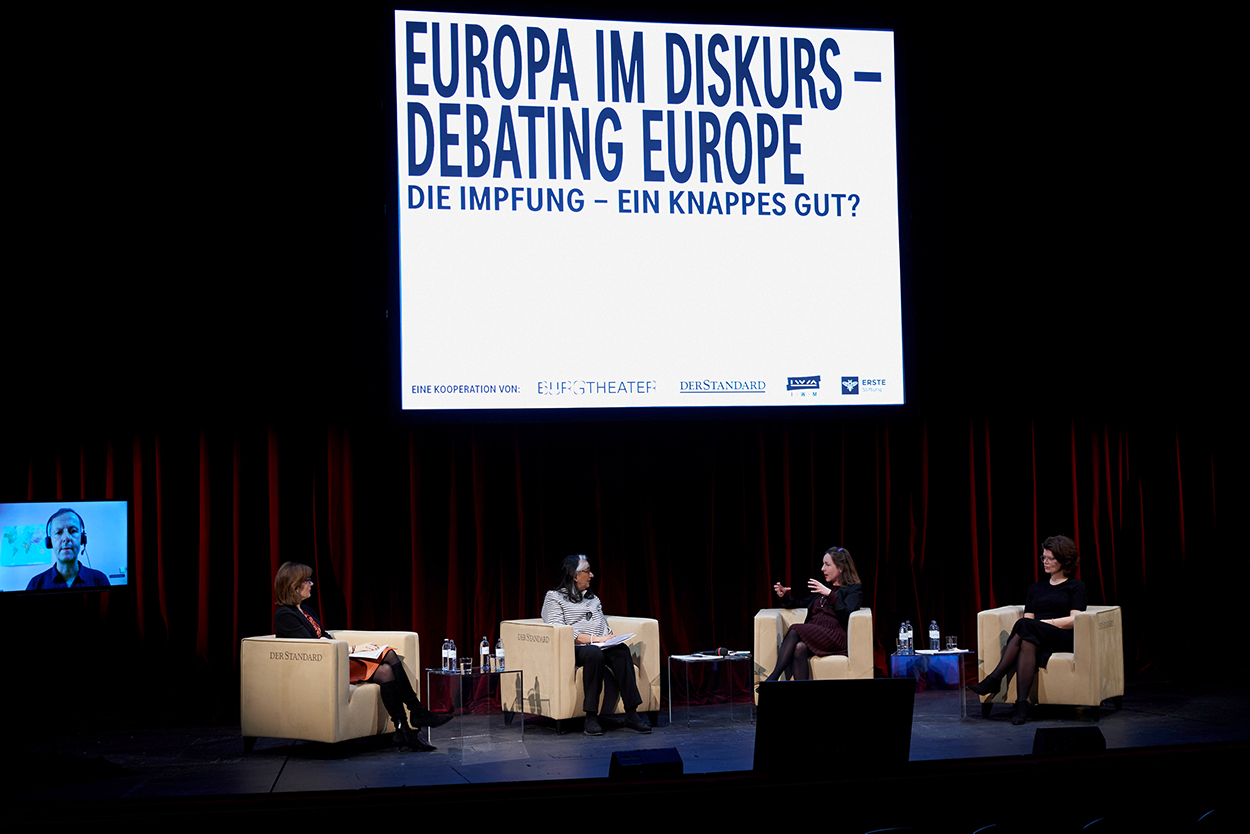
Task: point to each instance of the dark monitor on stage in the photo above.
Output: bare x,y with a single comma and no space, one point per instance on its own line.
802,726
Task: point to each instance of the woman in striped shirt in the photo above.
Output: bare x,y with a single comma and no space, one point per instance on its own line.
572,603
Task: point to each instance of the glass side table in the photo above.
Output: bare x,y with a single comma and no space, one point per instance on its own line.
733,665
506,685
934,670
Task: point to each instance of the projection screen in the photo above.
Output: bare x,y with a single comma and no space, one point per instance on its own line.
610,214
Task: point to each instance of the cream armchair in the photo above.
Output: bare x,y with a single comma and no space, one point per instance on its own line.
771,625
552,682
1086,676
293,688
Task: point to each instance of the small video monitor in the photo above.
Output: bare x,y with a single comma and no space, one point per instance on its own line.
58,546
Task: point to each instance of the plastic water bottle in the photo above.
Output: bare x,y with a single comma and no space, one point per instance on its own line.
499,654
935,637
483,653
902,637
449,656
911,646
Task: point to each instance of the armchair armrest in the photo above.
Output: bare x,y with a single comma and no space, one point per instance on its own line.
645,647
993,626
1098,652
770,625
289,687
859,643
545,654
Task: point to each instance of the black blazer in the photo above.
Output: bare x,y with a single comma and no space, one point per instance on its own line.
846,600
289,622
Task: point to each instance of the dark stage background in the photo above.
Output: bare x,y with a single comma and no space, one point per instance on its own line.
213,347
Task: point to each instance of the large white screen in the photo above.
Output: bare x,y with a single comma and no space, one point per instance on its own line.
557,250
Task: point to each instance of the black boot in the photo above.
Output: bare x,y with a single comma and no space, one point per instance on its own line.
405,736
421,717
636,722
1022,712
409,737
985,687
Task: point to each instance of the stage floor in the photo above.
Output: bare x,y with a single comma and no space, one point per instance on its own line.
206,761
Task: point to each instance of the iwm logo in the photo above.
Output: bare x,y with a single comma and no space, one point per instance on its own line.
803,384
850,385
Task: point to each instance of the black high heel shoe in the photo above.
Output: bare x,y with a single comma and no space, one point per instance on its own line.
410,737
985,687
422,717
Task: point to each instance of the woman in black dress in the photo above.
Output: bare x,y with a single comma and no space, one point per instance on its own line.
292,587
828,607
1049,613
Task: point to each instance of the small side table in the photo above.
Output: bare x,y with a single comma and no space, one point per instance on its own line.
466,681
686,661
934,668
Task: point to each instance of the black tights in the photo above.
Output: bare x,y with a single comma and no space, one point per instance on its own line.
1022,656
792,658
396,689
389,670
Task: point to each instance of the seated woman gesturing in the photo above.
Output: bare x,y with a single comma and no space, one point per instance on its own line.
828,609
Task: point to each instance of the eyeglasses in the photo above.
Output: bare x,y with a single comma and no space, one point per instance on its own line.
1046,559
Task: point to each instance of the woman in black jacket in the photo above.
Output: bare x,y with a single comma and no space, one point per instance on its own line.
829,609
292,587
1050,610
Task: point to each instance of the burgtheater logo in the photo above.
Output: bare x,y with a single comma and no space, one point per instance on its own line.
850,385
723,386
578,387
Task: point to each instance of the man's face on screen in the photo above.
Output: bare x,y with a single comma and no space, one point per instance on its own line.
66,533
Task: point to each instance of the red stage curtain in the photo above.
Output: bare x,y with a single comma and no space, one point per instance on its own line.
447,530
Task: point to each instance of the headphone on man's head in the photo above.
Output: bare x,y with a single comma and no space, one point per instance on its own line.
82,528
